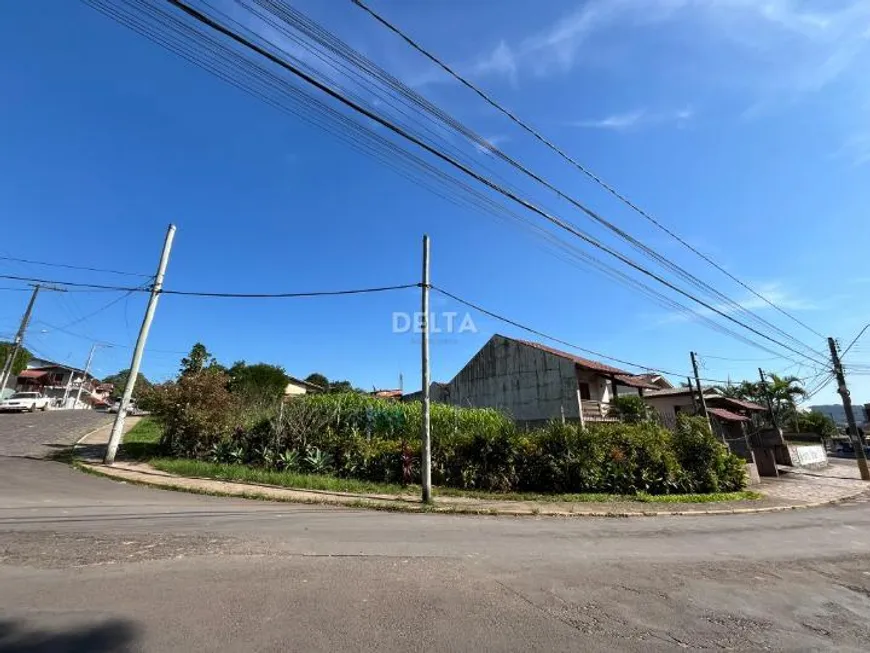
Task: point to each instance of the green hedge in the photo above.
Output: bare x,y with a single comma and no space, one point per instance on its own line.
357,436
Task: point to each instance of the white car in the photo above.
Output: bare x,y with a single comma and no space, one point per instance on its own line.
22,401
132,408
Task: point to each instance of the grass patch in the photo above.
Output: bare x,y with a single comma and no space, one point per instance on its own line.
246,474
300,481
142,441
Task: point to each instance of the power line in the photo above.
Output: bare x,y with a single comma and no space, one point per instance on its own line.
72,267
591,175
332,43
541,334
73,284
211,23
284,295
860,333
196,293
371,143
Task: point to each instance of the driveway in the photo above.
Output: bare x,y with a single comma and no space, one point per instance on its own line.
87,564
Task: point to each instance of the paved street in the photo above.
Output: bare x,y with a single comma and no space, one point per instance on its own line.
87,564
38,434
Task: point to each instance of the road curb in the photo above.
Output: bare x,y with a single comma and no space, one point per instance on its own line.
89,434
290,495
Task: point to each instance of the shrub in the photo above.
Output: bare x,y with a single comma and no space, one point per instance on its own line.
631,409
197,413
708,464
357,436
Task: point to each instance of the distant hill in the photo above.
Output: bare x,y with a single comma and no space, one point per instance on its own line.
838,414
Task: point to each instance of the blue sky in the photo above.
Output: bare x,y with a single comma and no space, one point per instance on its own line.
742,125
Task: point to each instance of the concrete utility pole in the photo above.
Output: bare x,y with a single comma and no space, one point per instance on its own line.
701,398
118,426
19,336
426,455
768,398
857,441
87,369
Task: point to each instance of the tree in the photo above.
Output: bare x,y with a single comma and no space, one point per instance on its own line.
631,409
333,387
261,379
819,423
197,360
785,393
21,359
119,380
745,390
318,379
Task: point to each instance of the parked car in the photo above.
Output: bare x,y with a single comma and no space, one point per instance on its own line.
21,401
132,408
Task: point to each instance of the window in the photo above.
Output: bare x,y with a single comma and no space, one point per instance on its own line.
585,395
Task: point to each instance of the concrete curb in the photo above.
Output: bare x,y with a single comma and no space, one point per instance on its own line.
243,490
89,434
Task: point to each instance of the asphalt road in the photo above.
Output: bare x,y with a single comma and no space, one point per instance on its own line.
87,564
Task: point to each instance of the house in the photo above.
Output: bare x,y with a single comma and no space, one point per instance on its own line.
386,394
61,383
534,383
669,402
296,387
672,401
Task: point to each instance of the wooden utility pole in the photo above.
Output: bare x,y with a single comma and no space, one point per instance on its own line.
842,388
692,394
118,426
19,336
701,398
426,454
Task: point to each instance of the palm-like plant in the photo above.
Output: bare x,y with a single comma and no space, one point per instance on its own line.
785,392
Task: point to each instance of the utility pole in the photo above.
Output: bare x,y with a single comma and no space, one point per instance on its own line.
694,402
768,398
426,456
857,441
700,390
87,369
67,389
19,336
118,426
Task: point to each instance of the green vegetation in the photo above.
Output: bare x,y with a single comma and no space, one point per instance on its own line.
247,474
631,409
357,437
143,440
258,381
21,358
119,380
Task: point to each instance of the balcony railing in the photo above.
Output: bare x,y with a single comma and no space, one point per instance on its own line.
596,411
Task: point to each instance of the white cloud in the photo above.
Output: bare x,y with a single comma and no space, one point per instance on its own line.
772,291
818,46
494,141
501,61
637,118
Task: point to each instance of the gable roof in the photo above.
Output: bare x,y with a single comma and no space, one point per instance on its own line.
745,405
305,384
675,392
727,415
626,378
654,378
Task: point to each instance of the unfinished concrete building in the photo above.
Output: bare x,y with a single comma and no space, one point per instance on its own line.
534,383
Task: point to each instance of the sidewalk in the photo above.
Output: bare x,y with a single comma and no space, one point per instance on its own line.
800,489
